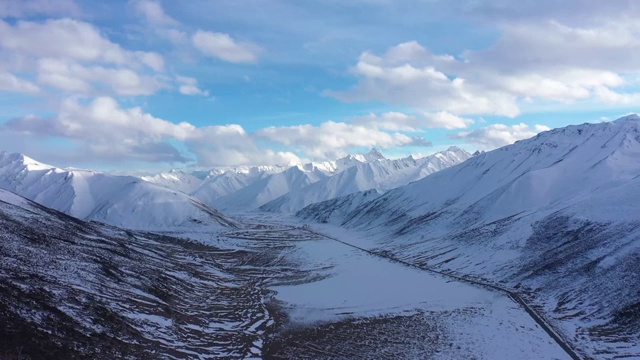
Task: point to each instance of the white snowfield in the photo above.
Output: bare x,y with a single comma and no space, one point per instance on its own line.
481,323
556,216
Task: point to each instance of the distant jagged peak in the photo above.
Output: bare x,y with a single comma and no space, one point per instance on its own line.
375,154
454,148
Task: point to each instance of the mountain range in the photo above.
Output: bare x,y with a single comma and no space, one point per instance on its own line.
117,200
179,199
555,216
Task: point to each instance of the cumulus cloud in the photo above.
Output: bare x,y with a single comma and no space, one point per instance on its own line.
331,139
498,135
408,74
74,56
224,47
88,80
9,82
153,12
189,86
397,121
69,39
544,60
102,130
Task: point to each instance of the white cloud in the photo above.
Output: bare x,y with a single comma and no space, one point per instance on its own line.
69,39
611,97
224,47
397,121
153,60
9,82
189,86
543,60
88,80
443,119
331,139
406,74
153,12
20,8
102,130
498,135
76,57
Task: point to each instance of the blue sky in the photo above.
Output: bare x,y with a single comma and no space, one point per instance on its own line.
150,84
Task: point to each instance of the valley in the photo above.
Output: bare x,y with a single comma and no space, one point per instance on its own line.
529,251
270,289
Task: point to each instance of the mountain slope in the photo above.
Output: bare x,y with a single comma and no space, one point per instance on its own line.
554,216
176,180
227,183
118,200
71,289
269,188
380,174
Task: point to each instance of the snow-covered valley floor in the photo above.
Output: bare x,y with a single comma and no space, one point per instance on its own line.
272,289
358,305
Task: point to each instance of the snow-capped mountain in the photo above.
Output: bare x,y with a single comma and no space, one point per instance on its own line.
268,188
555,216
118,200
179,180
374,172
231,181
247,188
178,198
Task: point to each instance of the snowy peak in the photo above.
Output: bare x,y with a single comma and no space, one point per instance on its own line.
561,166
374,155
556,214
381,175
630,117
17,159
176,180
118,200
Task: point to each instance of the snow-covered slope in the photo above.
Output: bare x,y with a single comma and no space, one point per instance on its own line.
555,216
228,183
246,188
376,173
176,180
268,188
71,289
118,200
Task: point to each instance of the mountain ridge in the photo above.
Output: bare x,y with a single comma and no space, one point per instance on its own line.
554,216
124,201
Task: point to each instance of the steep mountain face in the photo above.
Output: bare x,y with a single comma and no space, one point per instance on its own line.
555,216
117,200
376,173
